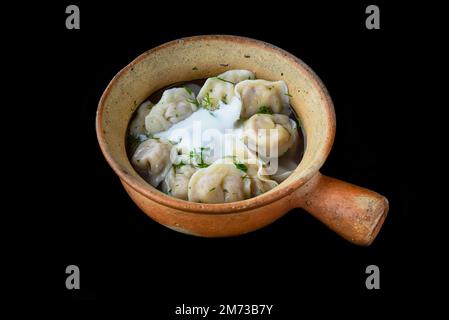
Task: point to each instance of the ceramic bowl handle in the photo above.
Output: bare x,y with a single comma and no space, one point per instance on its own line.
355,213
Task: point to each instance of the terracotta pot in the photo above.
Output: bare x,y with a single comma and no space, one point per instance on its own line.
355,213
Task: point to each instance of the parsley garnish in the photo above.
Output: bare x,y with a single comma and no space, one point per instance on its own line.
212,189
199,157
240,166
206,101
178,165
194,101
189,91
265,110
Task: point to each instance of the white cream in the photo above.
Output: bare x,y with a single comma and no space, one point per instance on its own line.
213,130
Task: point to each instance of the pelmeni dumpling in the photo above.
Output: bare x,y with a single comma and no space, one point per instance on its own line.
176,182
219,183
288,162
257,94
259,183
137,125
221,88
269,135
175,105
236,76
152,160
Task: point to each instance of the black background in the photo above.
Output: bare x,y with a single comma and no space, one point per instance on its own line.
86,218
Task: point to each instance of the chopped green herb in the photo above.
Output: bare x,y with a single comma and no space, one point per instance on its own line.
212,189
245,177
189,91
213,115
206,102
226,81
199,158
287,94
193,101
225,190
265,110
177,166
240,166
194,68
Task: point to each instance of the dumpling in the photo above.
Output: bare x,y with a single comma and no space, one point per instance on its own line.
219,183
175,105
257,95
281,175
236,76
221,88
269,135
259,183
152,160
137,125
288,162
176,182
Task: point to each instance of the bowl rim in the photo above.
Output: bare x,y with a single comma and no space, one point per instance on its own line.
154,194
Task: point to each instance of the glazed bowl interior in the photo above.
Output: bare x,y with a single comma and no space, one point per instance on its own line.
199,58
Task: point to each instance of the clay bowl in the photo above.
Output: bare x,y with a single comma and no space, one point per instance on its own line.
355,213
